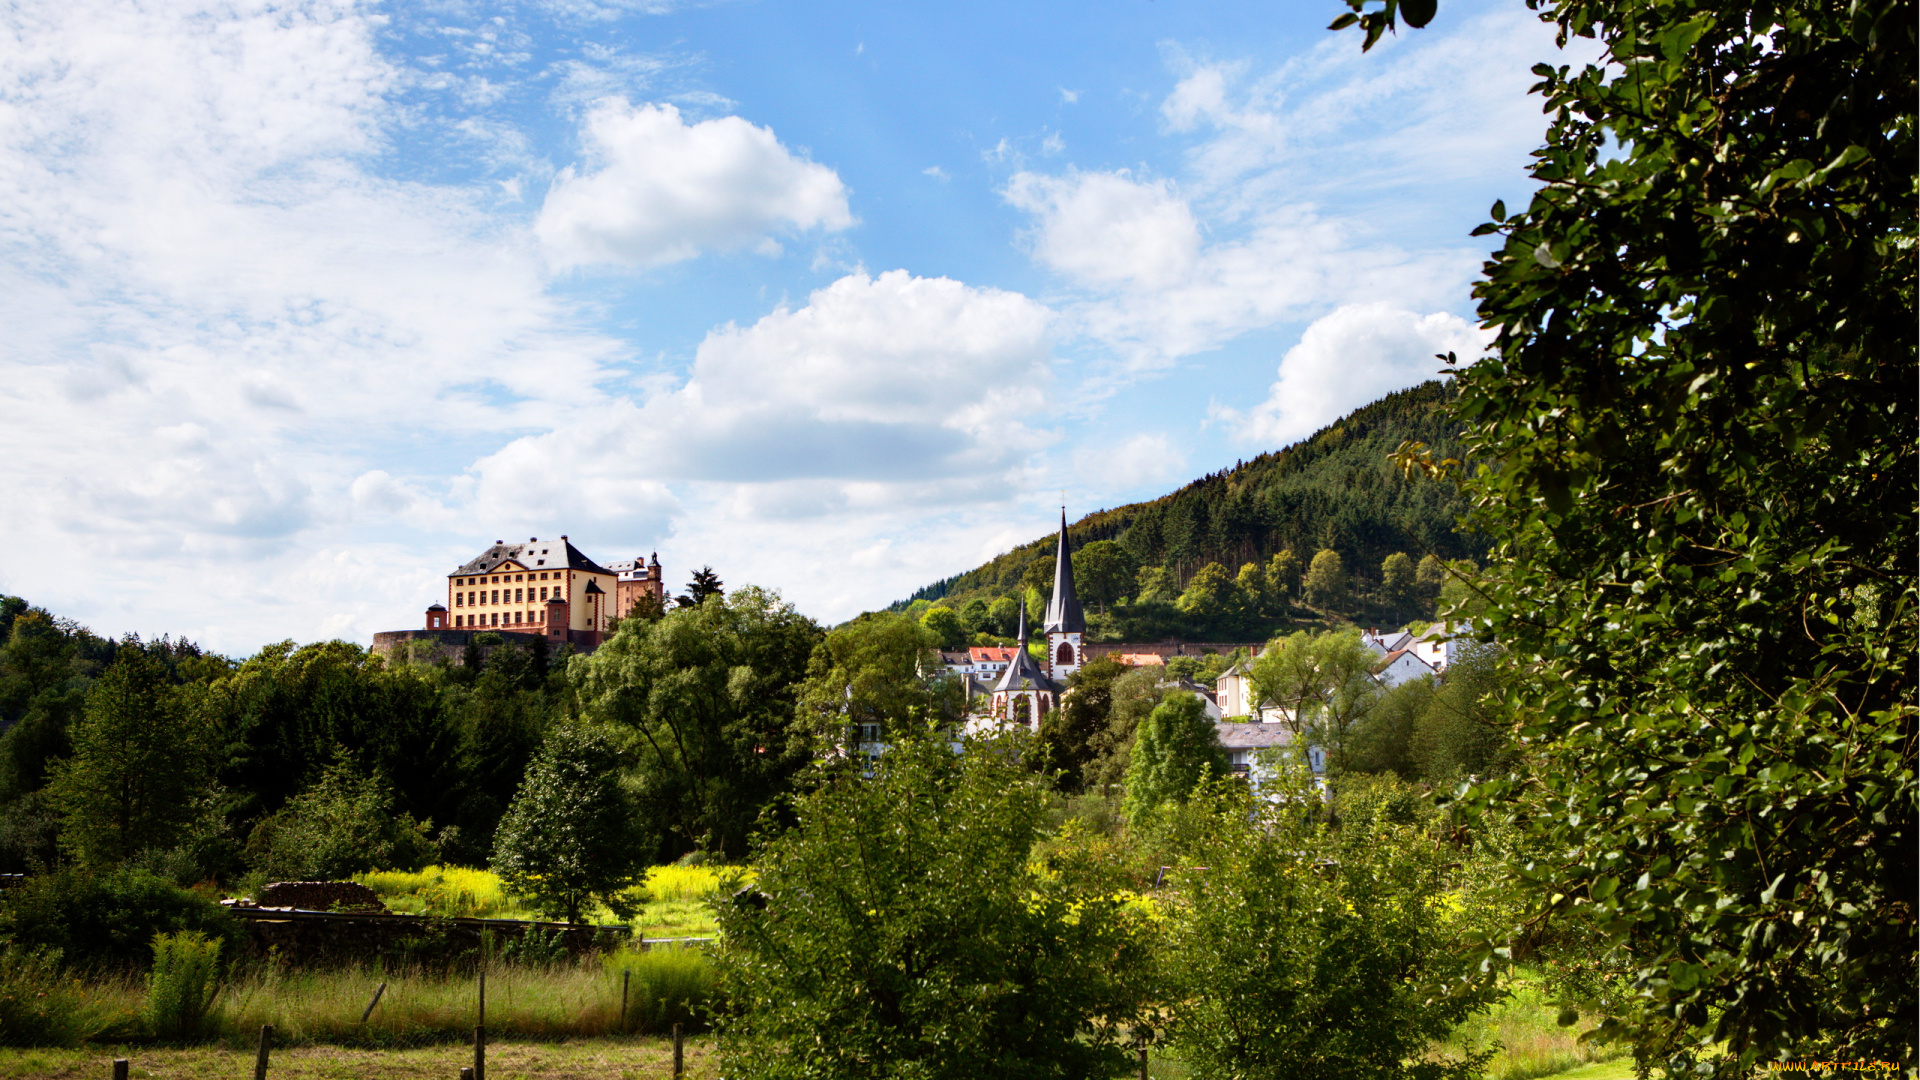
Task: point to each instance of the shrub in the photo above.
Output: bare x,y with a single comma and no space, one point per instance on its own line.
39,1006
181,986
901,929
109,918
667,987
1298,950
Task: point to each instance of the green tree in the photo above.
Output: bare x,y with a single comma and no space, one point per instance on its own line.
1466,728
978,616
1324,685
1702,402
1283,577
1103,573
569,838
705,583
948,631
1132,696
1297,950
1038,576
140,769
1175,750
878,670
900,929
1005,615
1251,583
1069,735
1430,575
1155,585
1326,584
1210,593
707,701
343,825
1398,581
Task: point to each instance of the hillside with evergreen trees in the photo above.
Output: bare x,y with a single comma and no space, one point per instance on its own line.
1233,553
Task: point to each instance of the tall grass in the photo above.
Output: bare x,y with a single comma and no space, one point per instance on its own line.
671,900
668,986
1531,1042
181,986
455,891
569,1000
41,1006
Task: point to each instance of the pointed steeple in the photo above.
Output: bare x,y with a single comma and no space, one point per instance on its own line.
1063,611
1021,632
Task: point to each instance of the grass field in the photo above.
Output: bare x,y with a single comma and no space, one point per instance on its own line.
673,900
635,1058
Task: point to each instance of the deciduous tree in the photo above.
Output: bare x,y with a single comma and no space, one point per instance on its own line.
1701,412
570,838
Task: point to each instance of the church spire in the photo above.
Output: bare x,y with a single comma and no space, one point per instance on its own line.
1021,633
1063,611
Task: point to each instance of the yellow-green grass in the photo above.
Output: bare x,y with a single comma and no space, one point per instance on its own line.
671,900
628,1058
1531,1042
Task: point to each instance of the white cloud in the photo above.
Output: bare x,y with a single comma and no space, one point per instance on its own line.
1158,291
1347,358
889,381
1069,97
664,190
1108,229
226,329
936,172
1139,461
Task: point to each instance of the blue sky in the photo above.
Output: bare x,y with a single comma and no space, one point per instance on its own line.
309,301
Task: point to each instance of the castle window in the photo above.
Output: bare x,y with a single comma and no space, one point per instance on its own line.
518,595
1065,655
496,596
458,601
543,594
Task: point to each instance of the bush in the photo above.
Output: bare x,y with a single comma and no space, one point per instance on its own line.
38,1005
181,986
902,929
108,919
1299,950
667,987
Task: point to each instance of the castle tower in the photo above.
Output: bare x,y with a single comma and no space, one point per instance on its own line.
1066,625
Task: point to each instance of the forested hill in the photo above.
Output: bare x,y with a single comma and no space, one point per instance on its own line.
1334,491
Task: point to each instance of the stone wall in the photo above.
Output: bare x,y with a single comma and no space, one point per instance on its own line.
310,937
320,896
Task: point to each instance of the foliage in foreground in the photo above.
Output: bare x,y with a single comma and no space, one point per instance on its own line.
899,930
1302,950
108,919
1703,403
41,1005
182,983
569,840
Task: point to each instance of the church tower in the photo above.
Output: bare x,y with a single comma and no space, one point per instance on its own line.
1066,626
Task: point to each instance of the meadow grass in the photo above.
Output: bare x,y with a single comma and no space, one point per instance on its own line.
671,901
1531,1042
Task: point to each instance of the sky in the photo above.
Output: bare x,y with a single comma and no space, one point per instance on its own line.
307,302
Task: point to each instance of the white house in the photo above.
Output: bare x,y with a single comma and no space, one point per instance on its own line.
1401,666
1245,743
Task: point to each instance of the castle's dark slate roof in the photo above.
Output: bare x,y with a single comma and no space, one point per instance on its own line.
535,554
1063,611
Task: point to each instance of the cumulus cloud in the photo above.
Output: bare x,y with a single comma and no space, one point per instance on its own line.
663,190
1347,358
888,381
1159,291
1109,229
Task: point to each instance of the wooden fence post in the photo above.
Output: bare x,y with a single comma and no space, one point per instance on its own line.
377,991
679,1063
480,1030
1143,1059
119,1069
466,1072
625,974
266,1045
